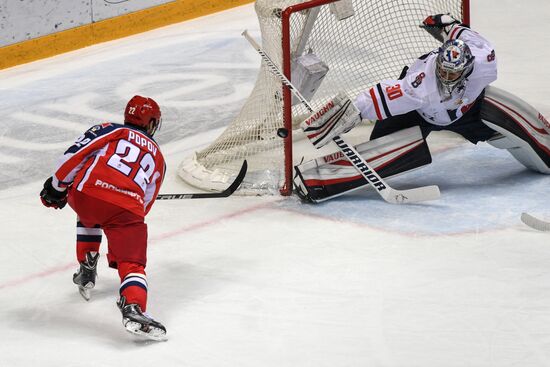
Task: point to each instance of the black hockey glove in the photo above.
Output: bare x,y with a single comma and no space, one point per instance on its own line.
439,25
51,197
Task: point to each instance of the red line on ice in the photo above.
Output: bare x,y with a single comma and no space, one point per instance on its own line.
177,232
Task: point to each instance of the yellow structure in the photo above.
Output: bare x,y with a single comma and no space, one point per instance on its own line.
110,29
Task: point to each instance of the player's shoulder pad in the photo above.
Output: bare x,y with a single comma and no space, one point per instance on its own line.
102,129
419,70
425,57
92,134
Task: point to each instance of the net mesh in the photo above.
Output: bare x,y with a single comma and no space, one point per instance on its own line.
374,44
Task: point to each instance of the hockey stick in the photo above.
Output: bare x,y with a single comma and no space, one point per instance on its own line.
209,195
535,223
373,178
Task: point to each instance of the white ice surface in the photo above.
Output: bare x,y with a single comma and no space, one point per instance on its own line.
268,281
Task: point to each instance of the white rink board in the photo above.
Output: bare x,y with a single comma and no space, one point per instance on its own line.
105,9
25,20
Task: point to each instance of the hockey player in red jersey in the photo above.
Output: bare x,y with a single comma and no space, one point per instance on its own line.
445,89
111,177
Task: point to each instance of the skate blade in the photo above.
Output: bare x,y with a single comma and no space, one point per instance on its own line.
84,292
154,333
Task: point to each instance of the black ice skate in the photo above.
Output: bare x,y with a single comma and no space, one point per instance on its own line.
85,277
136,322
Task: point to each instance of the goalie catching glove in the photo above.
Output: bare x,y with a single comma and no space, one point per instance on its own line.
439,25
336,117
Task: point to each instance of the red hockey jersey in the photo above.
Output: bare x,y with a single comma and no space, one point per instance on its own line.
115,163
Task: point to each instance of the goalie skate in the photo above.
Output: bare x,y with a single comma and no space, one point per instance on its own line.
86,275
138,323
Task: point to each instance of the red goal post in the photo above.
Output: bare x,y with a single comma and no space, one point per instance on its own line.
357,42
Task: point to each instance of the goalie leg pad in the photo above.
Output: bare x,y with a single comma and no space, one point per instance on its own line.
333,175
524,132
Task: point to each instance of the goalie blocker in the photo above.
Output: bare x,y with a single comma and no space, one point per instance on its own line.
333,175
338,116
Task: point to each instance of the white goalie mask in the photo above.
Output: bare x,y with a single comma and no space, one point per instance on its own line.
454,63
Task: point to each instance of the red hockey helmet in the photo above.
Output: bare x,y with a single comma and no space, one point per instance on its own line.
143,112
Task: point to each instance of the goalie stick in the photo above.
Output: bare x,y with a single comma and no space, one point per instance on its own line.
535,223
209,195
388,193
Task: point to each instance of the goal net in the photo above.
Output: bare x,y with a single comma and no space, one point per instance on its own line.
322,46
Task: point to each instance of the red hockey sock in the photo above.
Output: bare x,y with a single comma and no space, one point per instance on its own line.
88,239
133,283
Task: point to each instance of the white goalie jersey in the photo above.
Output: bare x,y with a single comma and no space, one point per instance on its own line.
419,89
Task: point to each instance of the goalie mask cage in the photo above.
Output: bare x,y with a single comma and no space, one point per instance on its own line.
360,41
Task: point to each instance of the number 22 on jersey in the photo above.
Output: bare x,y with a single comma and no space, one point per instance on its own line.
126,157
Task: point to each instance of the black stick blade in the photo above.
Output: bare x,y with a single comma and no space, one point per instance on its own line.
209,195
